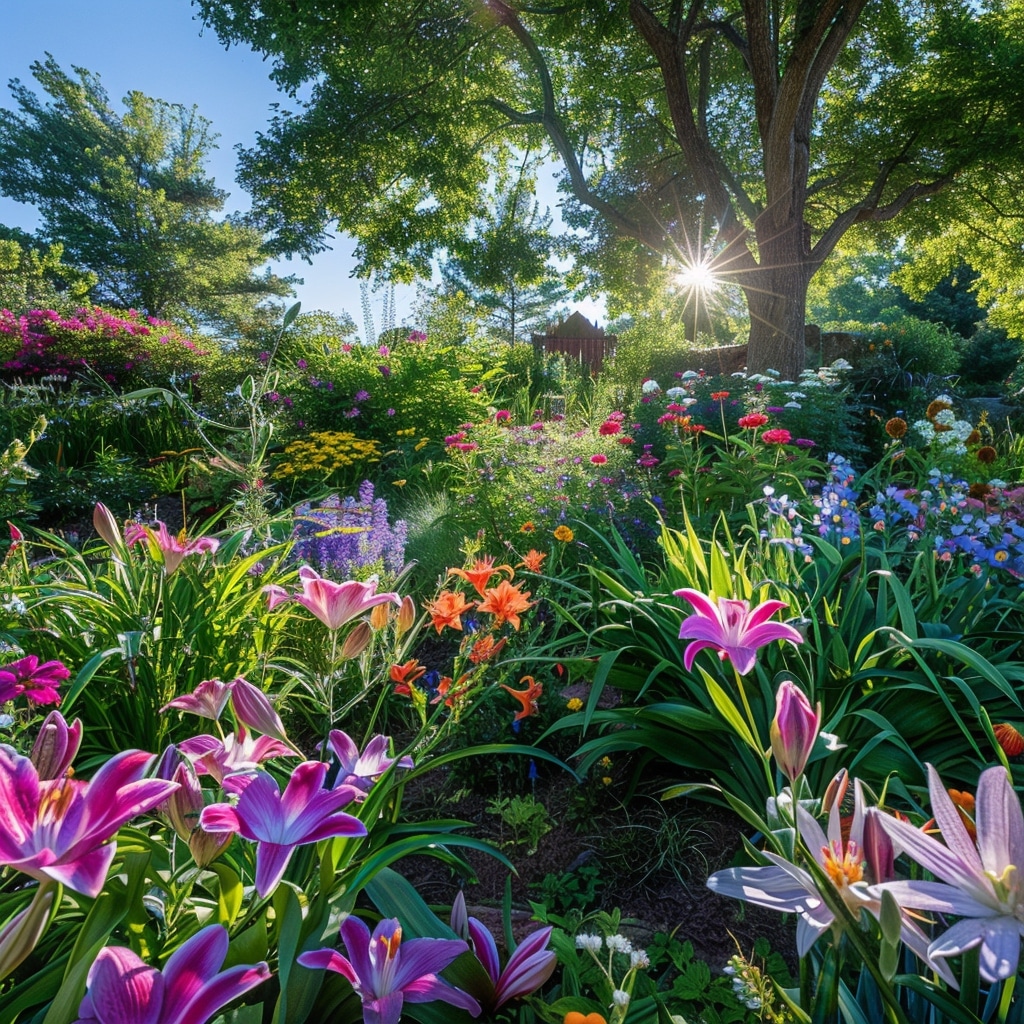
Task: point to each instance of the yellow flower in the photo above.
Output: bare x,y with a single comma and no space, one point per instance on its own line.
398,483
564,534
574,704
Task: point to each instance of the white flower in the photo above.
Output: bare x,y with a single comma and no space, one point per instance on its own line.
689,375
676,392
792,405
639,958
796,394
591,942
650,386
620,998
619,944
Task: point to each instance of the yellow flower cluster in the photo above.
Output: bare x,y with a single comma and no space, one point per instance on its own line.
324,453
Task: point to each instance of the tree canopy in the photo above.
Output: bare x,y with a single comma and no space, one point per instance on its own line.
128,199
789,123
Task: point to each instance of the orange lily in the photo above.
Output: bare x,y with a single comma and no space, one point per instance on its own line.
528,697
485,648
447,610
480,573
505,602
533,559
451,692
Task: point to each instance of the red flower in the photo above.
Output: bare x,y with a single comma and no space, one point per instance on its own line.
719,396
609,427
753,420
777,436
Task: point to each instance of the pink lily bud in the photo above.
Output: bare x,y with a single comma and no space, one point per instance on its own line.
206,847
185,804
356,641
21,934
406,616
794,729
835,792
56,746
878,848
252,708
104,523
460,916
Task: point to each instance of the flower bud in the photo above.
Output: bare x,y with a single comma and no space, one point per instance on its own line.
56,746
406,616
185,804
835,792
878,849
794,729
206,847
105,525
356,641
252,708
19,936
379,616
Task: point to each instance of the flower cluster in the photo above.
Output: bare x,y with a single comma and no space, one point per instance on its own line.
324,454
349,537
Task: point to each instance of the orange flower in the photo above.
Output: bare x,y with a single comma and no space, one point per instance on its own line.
1009,739
719,396
480,573
935,407
485,648
407,673
450,692
447,609
505,602
987,455
533,559
964,804
527,527
575,1017
528,697
896,427
564,534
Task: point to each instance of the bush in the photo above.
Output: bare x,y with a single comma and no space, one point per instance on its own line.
990,357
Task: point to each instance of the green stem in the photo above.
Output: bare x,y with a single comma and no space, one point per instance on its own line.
765,764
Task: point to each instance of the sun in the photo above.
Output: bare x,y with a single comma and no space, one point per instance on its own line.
697,277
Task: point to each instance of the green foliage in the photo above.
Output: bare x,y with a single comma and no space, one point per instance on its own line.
35,277
525,816
990,357
128,198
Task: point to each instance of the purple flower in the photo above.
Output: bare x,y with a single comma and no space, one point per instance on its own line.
361,770
26,677
794,729
301,364
981,884
279,822
732,628
385,370
529,966
361,396
236,752
122,989
385,972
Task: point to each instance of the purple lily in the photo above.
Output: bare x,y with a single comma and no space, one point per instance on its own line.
191,988
64,829
332,603
361,770
784,886
385,972
278,822
237,752
982,884
56,745
529,966
732,628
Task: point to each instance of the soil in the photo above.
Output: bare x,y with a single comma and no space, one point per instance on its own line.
649,858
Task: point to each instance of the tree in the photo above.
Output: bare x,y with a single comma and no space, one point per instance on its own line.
34,277
128,199
790,123
502,265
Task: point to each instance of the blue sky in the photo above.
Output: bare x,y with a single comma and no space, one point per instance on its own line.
160,48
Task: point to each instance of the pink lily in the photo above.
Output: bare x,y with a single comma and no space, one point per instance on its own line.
361,770
64,829
333,604
278,822
26,677
732,628
191,988
237,752
207,700
782,885
385,972
529,966
982,884
174,548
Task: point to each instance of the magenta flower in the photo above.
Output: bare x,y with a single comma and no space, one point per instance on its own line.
385,972
207,700
279,822
174,549
236,752
529,966
64,829
981,884
333,604
794,729
27,678
730,627
191,988
361,770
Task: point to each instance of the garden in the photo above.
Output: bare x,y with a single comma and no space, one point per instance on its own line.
477,663
447,681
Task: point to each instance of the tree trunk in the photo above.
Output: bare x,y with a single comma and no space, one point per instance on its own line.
777,299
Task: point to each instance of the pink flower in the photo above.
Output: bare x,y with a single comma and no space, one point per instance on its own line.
777,436
732,628
56,745
279,822
609,427
64,829
174,549
598,460
752,420
502,416
794,729
361,770
333,604
190,989
236,752
26,677
208,700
